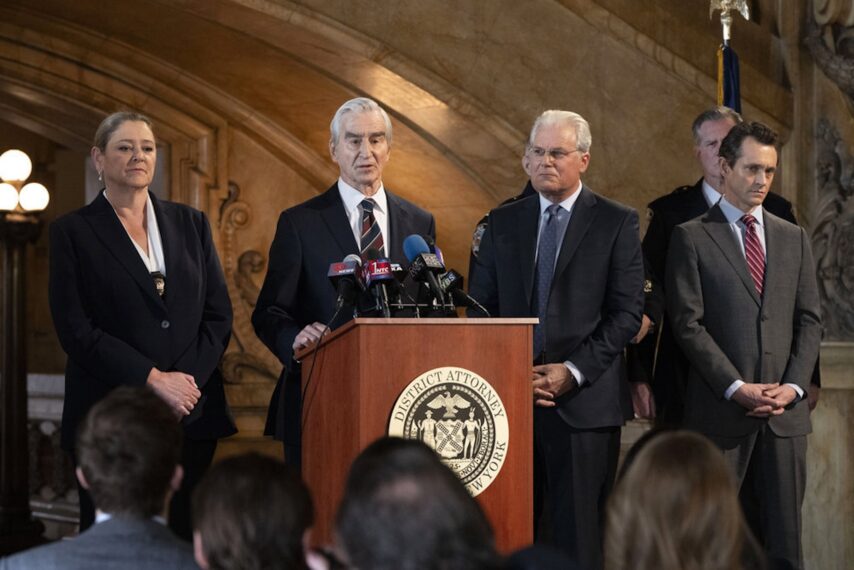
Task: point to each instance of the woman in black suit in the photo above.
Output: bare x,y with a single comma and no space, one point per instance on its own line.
138,297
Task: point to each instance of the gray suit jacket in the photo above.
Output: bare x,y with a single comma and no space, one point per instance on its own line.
121,542
728,332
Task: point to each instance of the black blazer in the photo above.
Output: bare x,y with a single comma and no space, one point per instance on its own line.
596,299
114,327
297,291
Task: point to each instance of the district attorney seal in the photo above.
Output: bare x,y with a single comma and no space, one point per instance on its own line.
459,415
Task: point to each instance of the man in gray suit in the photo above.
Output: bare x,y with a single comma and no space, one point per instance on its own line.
128,451
745,310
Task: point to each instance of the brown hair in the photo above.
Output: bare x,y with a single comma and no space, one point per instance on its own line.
731,146
677,508
128,447
252,511
403,508
109,126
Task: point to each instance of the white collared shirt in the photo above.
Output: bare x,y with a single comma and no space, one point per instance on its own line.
101,516
154,260
733,216
352,198
711,195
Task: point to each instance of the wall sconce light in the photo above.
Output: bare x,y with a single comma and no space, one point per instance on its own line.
15,196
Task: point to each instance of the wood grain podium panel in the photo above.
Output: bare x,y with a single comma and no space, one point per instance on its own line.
360,371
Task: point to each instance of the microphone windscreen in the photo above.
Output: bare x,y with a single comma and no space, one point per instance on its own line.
353,258
431,243
413,246
371,254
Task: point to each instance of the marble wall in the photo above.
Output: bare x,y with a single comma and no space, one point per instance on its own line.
829,502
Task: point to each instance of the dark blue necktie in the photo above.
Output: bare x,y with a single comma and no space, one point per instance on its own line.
546,254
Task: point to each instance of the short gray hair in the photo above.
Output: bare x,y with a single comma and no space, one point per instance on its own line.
579,124
718,113
357,105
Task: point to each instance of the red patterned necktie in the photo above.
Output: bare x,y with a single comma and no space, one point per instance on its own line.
753,252
372,237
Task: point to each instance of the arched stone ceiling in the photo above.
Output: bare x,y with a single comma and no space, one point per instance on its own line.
205,68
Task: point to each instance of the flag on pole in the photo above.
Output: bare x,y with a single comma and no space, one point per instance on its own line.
729,94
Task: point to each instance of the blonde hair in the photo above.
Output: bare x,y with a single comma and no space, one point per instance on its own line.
677,508
112,123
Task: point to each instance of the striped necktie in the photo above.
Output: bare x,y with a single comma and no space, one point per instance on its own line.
372,237
753,252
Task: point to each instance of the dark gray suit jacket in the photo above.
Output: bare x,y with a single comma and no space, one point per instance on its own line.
595,302
728,332
121,542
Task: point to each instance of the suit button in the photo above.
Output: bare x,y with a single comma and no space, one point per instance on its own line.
164,324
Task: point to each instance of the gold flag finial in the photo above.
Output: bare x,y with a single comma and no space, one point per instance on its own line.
727,6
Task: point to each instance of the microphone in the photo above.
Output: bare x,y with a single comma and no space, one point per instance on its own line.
346,278
424,266
431,243
377,275
451,283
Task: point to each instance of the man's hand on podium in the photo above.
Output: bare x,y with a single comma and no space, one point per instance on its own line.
308,336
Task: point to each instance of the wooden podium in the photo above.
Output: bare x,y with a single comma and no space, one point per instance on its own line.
359,371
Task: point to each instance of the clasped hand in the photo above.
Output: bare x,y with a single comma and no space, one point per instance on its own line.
177,389
764,400
551,381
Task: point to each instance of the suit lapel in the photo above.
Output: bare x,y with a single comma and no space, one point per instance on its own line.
775,257
335,217
108,228
173,244
526,236
583,214
398,224
719,230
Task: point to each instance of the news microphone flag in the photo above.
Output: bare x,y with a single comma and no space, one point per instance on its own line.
729,93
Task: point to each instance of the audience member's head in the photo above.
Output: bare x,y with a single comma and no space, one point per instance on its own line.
404,509
677,507
638,445
128,450
251,512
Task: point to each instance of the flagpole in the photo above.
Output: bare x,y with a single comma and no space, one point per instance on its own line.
728,91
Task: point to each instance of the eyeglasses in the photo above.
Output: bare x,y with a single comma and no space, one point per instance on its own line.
554,153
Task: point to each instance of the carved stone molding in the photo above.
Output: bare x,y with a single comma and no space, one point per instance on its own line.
53,90
833,233
246,351
830,39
